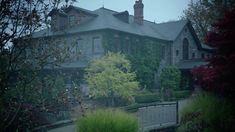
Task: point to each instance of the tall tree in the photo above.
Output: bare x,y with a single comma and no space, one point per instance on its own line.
219,75
203,13
19,19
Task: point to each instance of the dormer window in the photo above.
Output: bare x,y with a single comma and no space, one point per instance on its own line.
71,20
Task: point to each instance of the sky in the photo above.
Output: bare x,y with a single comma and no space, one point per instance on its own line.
154,10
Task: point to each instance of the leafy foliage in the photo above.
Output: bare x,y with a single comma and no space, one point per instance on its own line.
107,121
147,98
205,113
218,75
203,13
21,58
144,54
170,77
110,76
169,80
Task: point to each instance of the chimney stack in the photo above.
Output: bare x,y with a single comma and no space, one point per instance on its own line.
139,12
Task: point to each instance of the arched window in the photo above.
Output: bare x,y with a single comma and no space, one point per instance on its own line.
185,49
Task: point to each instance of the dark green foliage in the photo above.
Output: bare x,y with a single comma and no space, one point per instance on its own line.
207,113
147,98
170,78
181,94
144,54
170,81
135,107
186,82
107,121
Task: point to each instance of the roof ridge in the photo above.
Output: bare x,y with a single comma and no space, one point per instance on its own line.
107,9
174,21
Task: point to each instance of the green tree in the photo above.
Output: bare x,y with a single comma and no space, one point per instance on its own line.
21,58
169,80
111,76
203,13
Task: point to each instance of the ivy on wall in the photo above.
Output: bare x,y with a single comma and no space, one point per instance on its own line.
144,53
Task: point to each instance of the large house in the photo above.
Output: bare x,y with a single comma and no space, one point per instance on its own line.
93,33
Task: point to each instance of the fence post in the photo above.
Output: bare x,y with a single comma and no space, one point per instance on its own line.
177,112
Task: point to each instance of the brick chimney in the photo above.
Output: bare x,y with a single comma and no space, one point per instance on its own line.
139,12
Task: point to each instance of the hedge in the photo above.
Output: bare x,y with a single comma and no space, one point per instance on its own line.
135,107
181,94
147,98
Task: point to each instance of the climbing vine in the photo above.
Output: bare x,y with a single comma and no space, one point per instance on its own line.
144,53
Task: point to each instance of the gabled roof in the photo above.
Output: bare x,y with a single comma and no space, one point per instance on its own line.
106,19
78,9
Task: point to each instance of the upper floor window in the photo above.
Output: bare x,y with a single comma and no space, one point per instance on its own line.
79,48
203,56
128,45
117,43
193,55
96,45
163,52
185,49
177,52
71,20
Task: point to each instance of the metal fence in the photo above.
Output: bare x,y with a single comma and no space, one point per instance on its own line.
162,115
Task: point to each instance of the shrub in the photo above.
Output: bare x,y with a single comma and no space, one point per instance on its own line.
111,76
147,98
207,113
107,121
181,94
169,80
170,77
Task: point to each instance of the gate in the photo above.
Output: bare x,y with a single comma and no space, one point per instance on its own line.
159,116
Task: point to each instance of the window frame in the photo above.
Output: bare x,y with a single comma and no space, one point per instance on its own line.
93,45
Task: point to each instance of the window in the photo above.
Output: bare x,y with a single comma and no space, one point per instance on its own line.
127,45
163,52
193,55
79,46
96,45
117,43
203,56
177,52
185,49
71,20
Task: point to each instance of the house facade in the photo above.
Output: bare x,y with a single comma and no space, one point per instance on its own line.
90,34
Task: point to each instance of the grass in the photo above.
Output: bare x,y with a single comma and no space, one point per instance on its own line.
107,120
207,112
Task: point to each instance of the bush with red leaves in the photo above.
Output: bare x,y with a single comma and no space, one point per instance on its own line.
219,74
